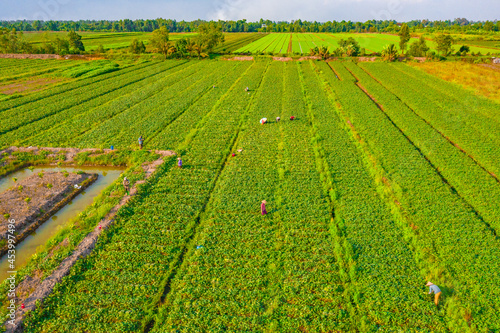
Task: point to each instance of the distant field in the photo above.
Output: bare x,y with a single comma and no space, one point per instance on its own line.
109,40
303,42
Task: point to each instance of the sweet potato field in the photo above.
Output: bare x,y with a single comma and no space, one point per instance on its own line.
387,178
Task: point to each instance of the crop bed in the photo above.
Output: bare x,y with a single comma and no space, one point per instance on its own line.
387,178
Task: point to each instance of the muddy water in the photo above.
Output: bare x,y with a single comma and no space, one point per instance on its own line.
26,248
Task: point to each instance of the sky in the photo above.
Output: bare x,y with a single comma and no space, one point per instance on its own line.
252,10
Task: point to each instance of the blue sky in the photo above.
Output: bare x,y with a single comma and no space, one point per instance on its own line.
252,10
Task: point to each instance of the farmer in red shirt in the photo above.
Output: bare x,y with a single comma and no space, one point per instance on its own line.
263,210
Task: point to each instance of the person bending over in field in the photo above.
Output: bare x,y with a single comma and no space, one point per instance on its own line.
278,119
434,289
126,185
292,117
141,141
246,89
263,210
179,162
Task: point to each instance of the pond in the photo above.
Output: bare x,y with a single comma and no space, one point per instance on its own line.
26,248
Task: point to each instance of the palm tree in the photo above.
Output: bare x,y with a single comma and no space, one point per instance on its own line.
323,52
389,53
190,47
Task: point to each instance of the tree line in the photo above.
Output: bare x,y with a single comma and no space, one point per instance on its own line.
459,25
12,41
350,47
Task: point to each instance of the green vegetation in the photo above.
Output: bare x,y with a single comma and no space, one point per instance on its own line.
387,178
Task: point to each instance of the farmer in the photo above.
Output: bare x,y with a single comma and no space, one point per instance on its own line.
141,141
126,185
278,119
434,289
292,117
263,210
246,89
213,86
263,121
179,162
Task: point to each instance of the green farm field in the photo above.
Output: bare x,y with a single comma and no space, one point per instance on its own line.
371,42
387,178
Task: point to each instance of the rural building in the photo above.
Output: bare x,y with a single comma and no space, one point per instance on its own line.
496,60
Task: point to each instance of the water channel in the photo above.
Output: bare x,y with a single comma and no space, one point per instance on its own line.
26,248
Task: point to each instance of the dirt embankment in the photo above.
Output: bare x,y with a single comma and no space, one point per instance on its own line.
32,201
247,58
51,56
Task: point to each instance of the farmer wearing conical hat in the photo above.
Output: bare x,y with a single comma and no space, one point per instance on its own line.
434,289
263,210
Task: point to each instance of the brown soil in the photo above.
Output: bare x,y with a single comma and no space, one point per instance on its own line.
495,67
29,85
309,57
367,59
282,58
43,201
51,56
30,56
247,58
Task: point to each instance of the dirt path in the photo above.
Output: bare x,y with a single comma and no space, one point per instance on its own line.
45,287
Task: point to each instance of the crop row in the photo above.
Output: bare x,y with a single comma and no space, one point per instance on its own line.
67,124
238,41
154,114
245,271
460,246
476,134
173,135
476,186
486,108
32,68
143,247
30,112
65,88
373,267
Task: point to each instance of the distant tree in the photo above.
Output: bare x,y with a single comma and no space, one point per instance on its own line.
75,41
404,37
390,53
210,35
464,49
418,48
181,46
444,43
160,41
137,46
349,46
199,47
100,49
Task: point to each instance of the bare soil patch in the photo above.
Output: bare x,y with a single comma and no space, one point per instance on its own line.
367,59
37,198
246,58
31,85
495,67
309,57
282,58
